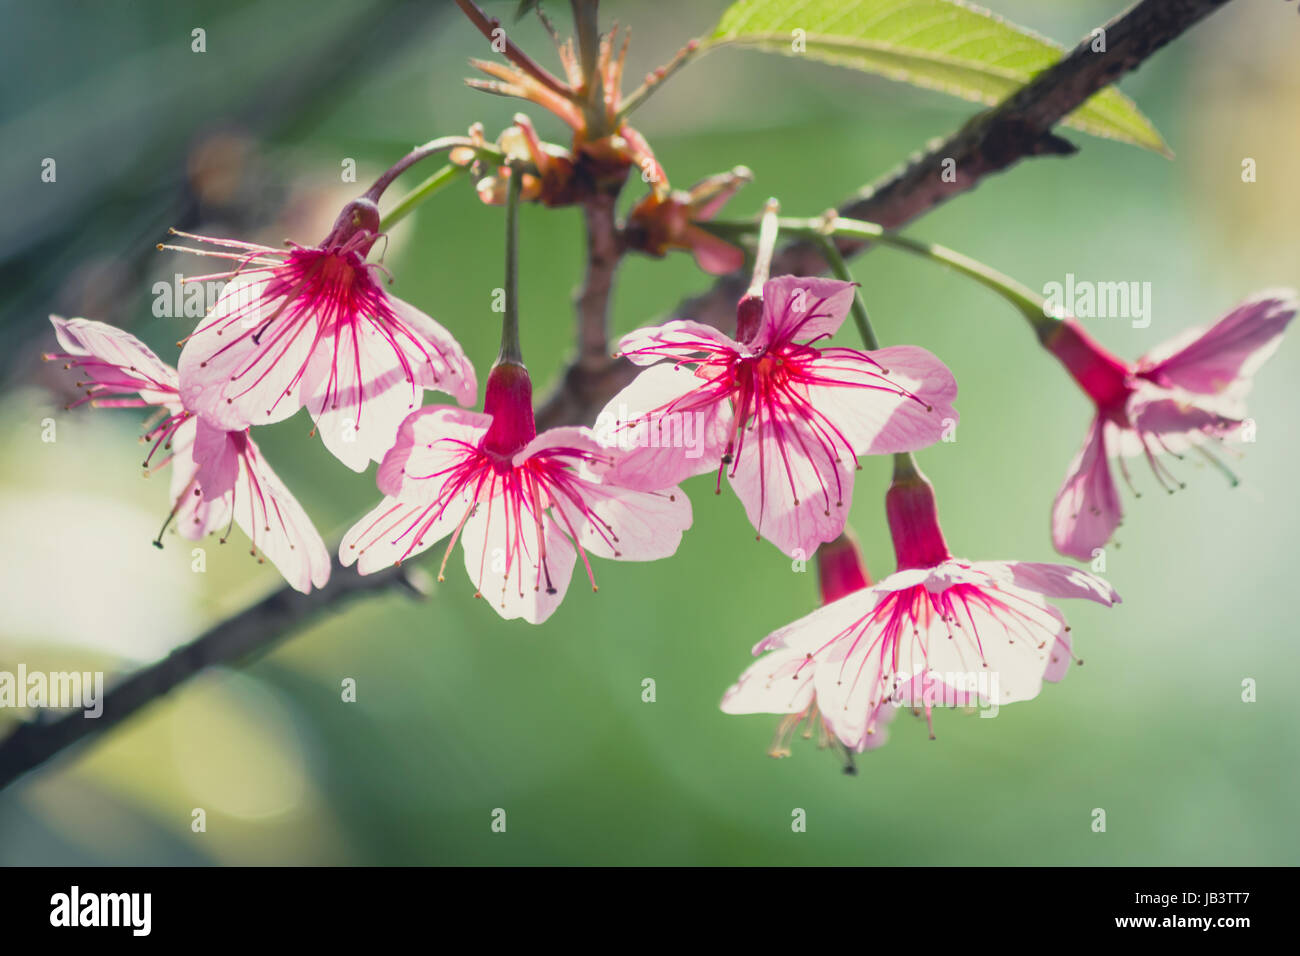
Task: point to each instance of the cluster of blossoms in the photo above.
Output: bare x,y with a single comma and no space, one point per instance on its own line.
784,418
780,411
942,631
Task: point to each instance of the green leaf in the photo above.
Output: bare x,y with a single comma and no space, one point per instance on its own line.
944,45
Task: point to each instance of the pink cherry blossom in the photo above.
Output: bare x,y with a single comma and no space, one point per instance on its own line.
761,689
782,415
218,477
940,631
525,506
1186,395
314,327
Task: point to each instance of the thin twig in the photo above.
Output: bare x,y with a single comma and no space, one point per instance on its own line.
251,631
492,29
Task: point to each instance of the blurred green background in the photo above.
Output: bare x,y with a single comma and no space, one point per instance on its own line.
459,713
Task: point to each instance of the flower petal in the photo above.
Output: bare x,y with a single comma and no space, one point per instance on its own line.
903,403
795,491
622,524
244,362
679,340
436,357
665,430
963,646
1050,580
780,682
802,308
714,255
196,513
217,459
1180,420
503,556
1087,508
1060,659
819,629
394,531
431,443
120,361
1211,359
277,524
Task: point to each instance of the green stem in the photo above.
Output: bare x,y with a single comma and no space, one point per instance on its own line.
656,79
1026,301
419,194
1029,303
434,146
905,467
588,31
510,350
768,228
840,269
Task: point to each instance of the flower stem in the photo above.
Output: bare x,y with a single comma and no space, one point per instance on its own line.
439,145
768,228
840,269
656,79
510,350
905,467
1027,302
419,194
588,31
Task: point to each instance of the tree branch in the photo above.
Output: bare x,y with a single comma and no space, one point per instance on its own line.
249,632
990,142
994,140
604,249
585,387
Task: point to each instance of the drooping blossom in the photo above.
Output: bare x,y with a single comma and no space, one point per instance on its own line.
784,415
524,505
761,689
217,477
940,631
1187,395
314,327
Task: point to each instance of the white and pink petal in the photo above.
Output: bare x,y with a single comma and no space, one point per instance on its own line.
277,525
120,361
678,340
396,531
802,309
780,682
667,425
521,573
796,490
244,362
433,445
891,400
